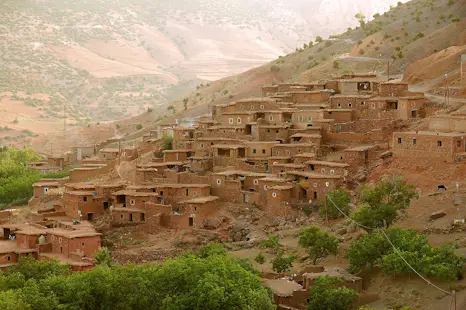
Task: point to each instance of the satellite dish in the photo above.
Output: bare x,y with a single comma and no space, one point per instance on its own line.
327,184
310,201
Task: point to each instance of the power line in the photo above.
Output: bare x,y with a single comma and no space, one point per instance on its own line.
394,248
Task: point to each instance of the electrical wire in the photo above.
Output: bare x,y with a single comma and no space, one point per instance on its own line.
394,248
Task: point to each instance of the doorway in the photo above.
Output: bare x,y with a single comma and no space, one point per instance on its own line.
90,216
105,205
191,221
130,217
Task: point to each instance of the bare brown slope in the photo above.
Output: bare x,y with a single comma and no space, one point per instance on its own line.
435,65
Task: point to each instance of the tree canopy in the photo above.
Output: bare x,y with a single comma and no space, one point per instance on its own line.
327,293
341,198
382,203
318,243
215,281
374,250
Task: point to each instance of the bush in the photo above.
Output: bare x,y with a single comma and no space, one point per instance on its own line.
272,242
139,126
373,250
328,293
275,68
318,243
341,198
167,143
282,264
319,39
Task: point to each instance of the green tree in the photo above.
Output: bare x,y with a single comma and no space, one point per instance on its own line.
318,243
171,107
373,250
311,44
185,103
102,257
319,39
360,17
272,242
282,264
340,198
167,143
327,293
139,126
260,258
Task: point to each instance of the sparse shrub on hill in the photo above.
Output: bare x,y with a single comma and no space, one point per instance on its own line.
275,68
282,263
139,126
319,39
328,293
272,242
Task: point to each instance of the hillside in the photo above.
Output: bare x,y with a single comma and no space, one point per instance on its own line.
89,61
404,35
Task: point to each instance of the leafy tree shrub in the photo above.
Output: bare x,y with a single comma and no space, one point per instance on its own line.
327,293
272,242
318,243
282,263
139,126
167,143
260,258
218,281
275,68
341,198
102,257
319,39
171,107
373,250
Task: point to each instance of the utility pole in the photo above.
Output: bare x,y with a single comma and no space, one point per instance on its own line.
388,69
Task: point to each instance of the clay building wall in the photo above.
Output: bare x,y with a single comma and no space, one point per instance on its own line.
267,90
338,115
254,105
192,178
428,145
236,118
273,133
279,202
176,155
390,89
260,149
248,165
122,216
292,149
306,116
447,123
309,97
278,160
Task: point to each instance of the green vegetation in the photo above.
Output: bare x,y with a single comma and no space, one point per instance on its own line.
319,244
272,243
319,39
380,204
260,258
374,250
281,263
341,198
167,143
16,178
215,280
102,257
139,126
275,68
327,293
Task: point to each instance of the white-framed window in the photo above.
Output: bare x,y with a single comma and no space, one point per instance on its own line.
266,187
60,240
300,118
239,120
315,184
270,117
195,194
339,105
202,145
230,120
262,107
350,105
275,163
274,194
256,182
46,189
322,170
132,202
309,118
332,171
219,181
373,105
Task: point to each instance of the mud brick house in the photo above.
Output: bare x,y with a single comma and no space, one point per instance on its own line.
279,201
306,138
276,133
42,188
125,216
226,154
82,204
108,153
328,167
313,186
429,145
293,149
176,155
105,191
129,154
196,211
310,96
82,152
72,246
281,168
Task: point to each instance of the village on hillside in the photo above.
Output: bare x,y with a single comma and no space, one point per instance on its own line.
280,154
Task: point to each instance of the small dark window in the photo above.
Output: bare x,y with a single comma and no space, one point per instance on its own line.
254,151
9,258
195,208
399,140
85,198
121,216
458,143
268,130
350,105
82,244
362,102
439,143
414,141
263,151
276,131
